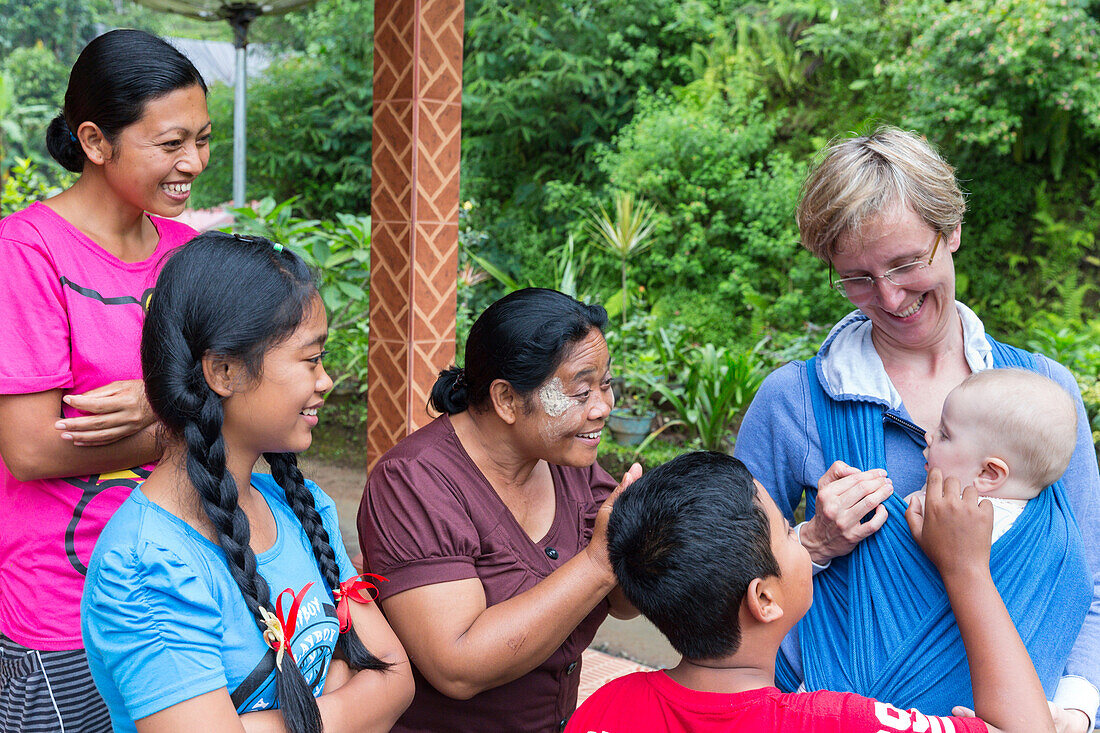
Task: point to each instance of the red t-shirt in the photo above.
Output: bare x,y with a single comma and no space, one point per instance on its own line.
651,701
428,516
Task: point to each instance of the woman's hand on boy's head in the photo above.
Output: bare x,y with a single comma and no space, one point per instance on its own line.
952,527
597,547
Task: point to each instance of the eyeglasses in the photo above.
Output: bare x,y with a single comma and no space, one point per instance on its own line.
907,274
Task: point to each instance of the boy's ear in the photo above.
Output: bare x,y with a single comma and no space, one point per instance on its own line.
993,475
222,374
762,599
506,403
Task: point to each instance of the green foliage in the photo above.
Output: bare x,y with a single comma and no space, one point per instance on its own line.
1090,393
309,132
19,124
309,115
725,246
545,85
718,385
32,84
616,458
23,184
37,77
62,26
340,252
1014,76
624,235
1071,343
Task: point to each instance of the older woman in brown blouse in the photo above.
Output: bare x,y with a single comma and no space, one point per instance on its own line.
489,523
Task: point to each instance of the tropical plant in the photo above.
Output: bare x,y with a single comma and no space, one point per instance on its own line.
624,235
718,386
569,272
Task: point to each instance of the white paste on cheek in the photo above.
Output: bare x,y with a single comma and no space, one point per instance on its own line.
553,398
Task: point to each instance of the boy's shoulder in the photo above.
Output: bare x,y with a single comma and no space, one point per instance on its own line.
636,701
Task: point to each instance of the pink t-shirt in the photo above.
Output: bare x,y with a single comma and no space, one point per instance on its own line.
653,701
72,321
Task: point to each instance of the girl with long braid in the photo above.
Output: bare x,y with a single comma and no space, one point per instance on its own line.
216,594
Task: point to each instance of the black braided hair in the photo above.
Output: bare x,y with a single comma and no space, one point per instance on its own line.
284,469
233,297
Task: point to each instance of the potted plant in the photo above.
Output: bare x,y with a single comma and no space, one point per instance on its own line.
633,415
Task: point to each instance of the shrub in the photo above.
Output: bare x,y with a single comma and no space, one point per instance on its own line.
339,249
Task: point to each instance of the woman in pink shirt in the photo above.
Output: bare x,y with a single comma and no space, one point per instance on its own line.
76,432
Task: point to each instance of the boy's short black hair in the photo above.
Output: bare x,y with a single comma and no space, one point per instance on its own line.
685,540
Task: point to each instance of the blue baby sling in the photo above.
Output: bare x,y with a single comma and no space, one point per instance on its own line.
881,625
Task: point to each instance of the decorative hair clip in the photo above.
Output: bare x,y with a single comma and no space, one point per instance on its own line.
357,589
279,629
460,380
277,247
72,135
247,238
275,637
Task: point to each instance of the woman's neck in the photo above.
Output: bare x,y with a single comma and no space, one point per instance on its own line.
94,208
943,347
169,486
490,445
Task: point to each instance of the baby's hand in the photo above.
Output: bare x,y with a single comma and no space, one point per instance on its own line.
916,495
953,529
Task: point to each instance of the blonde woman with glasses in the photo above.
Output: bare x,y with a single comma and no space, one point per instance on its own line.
845,430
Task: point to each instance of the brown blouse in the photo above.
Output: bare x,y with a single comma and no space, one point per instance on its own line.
428,516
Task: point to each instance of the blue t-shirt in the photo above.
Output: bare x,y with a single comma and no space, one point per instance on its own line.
163,621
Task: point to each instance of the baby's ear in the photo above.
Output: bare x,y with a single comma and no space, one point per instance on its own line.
993,475
763,599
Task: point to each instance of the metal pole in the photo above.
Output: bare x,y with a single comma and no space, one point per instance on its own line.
239,20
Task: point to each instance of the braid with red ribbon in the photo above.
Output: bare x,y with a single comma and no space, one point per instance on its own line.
284,469
357,589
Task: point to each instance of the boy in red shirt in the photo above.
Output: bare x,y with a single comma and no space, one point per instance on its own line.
700,548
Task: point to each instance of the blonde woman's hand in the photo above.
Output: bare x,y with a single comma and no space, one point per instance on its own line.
845,495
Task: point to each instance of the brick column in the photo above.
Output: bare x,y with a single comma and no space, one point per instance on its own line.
414,211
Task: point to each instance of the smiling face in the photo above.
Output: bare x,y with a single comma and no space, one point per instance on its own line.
955,446
277,411
153,162
564,418
911,316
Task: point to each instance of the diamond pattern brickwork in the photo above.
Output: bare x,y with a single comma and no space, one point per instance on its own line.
414,211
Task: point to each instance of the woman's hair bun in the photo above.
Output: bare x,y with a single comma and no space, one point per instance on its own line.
62,145
449,391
